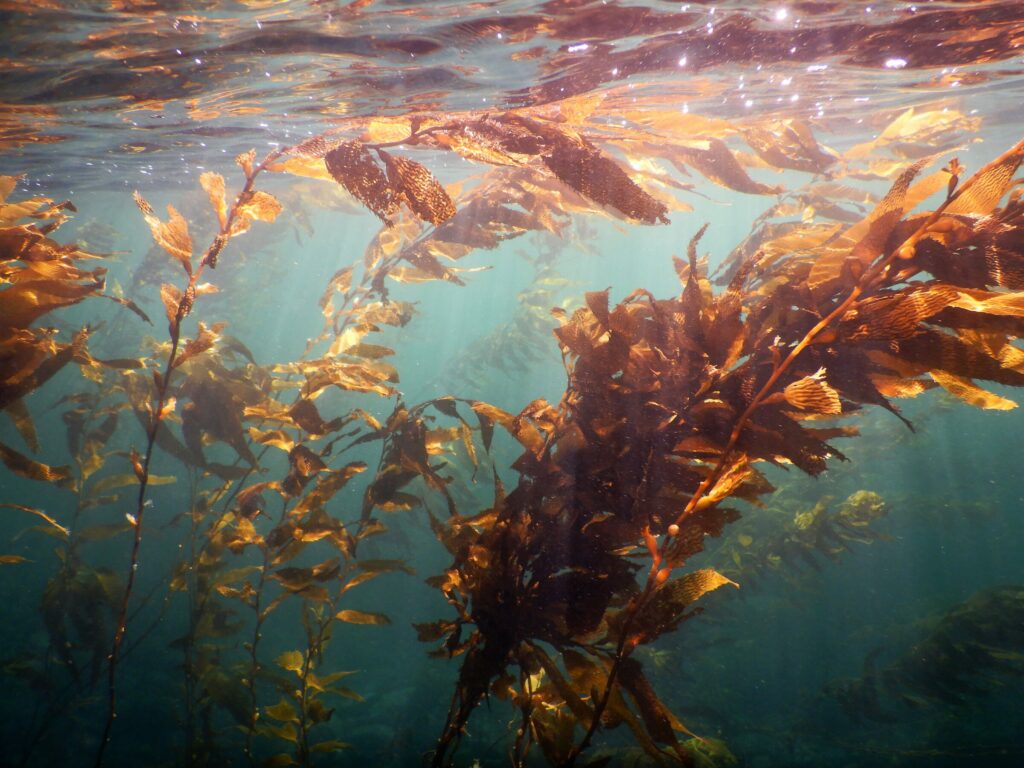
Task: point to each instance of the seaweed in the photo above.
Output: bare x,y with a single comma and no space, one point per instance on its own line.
669,405
672,409
966,653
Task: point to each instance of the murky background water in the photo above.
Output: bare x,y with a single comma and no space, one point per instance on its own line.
895,640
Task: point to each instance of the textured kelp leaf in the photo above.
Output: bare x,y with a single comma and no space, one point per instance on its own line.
171,235
245,161
871,235
361,617
327,485
18,412
971,393
488,415
353,167
599,178
423,193
22,465
204,340
718,164
170,295
670,602
24,303
213,184
813,394
261,206
865,240
565,688
789,145
987,188
40,514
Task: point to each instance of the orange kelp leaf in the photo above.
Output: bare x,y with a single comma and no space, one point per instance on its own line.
352,166
12,559
22,465
291,661
424,194
971,393
576,109
812,393
384,130
245,161
23,303
368,376
284,711
171,235
487,415
865,240
871,234
789,144
261,206
213,183
362,617
716,163
274,437
38,513
987,188
990,303
7,185
301,165
340,282
599,178
204,340
19,414
669,603
170,295
473,148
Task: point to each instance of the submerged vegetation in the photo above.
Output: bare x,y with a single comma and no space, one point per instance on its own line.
676,404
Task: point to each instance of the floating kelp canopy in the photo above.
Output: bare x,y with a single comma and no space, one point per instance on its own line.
567,538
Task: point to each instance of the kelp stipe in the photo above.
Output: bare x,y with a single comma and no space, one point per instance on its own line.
155,406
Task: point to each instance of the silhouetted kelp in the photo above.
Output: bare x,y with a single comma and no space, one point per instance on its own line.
669,405
966,653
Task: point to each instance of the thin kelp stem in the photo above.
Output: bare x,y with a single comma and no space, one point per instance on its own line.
257,634
666,556
152,429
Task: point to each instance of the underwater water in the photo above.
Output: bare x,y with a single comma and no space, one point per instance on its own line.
570,383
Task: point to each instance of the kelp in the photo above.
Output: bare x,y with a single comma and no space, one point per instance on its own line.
965,654
791,545
671,409
670,405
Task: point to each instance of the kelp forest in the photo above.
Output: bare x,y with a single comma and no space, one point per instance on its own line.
575,432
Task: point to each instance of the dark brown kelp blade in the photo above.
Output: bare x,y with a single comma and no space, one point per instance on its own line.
423,193
599,178
352,166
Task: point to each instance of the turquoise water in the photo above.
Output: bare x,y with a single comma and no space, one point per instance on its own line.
885,628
